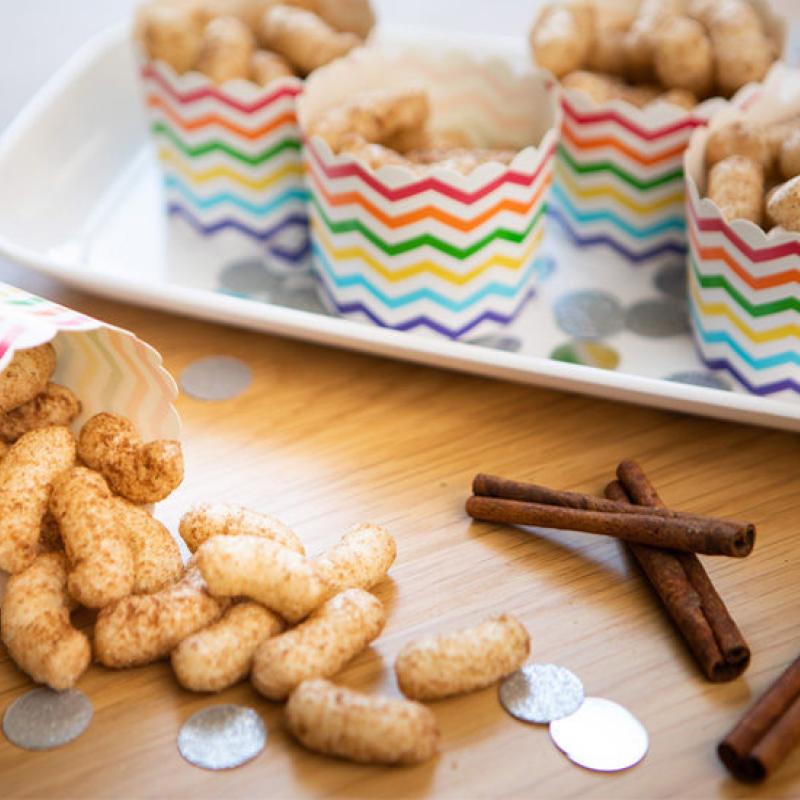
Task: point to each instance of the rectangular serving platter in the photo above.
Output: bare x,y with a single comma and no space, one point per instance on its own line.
80,200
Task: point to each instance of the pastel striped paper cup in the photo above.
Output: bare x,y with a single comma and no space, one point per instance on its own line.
108,368
231,159
446,254
744,283
619,172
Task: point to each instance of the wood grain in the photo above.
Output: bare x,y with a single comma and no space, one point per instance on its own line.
325,439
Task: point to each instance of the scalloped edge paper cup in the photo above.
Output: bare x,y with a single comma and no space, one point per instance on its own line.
744,284
447,254
619,170
231,160
108,368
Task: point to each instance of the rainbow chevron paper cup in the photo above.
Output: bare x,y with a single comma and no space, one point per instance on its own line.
231,159
108,368
445,254
744,284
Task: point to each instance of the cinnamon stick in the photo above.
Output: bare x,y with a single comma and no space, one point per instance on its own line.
686,591
693,534
767,732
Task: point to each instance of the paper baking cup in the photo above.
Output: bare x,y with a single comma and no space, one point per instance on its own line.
107,368
231,159
446,254
619,172
744,283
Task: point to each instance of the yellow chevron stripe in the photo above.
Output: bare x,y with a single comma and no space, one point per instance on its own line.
396,275
607,190
222,171
790,330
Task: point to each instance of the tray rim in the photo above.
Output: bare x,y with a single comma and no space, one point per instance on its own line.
332,331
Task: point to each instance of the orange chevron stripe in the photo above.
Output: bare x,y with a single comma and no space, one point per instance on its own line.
429,212
154,101
631,153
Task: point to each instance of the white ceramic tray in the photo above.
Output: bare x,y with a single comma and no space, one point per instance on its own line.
80,200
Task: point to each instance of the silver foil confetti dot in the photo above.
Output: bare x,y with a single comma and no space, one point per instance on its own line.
216,378
706,379
658,318
589,314
671,279
246,277
541,693
601,735
510,344
222,737
42,719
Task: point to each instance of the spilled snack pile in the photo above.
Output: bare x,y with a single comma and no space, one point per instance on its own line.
678,51
256,40
250,602
754,172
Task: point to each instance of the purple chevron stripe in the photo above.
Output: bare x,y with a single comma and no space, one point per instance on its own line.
727,366
630,255
423,321
301,254
178,210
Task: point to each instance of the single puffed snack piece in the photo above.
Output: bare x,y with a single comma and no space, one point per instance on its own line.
27,474
423,138
26,376
204,520
736,185
321,646
141,473
221,655
254,567
143,628
354,16
226,49
607,53
56,405
266,67
157,561
101,567
340,722
454,663
359,560
740,138
302,38
377,117
169,32
36,627
561,37
783,205
684,58
640,39
789,159
605,88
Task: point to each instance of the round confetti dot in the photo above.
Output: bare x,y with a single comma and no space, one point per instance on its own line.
541,693
590,354
43,719
589,314
656,319
601,735
216,378
545,267
706,379
222,737
246,277
510,344
671,279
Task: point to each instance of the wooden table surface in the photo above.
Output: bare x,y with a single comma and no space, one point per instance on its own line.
325,438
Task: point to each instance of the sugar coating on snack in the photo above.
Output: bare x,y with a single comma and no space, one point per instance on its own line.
170,33
101,565
56,405
204,520
740,138
783,205
36,626
226,49
561,38
359,560
463,661
27,473
319,647
143,628
139,472
254,567
736,185
26,376
340,722
221,655
157,561
684,58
